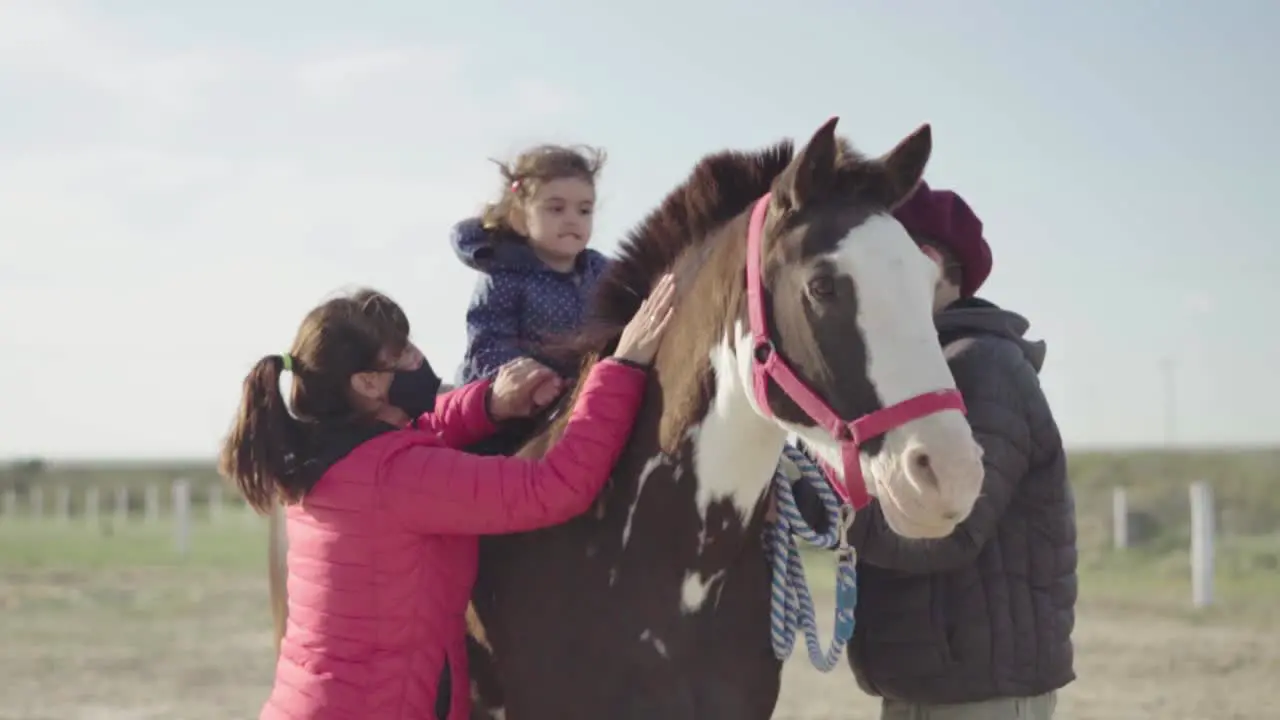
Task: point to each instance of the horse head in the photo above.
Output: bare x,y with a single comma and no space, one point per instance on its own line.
845,303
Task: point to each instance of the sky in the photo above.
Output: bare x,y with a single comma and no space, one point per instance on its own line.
181,181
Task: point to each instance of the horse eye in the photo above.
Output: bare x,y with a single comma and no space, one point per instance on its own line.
822,286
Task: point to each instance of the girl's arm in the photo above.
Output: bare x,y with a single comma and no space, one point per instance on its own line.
436,490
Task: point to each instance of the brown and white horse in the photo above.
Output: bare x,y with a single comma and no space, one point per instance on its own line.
656,604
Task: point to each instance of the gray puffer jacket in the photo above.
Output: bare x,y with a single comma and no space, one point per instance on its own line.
988,611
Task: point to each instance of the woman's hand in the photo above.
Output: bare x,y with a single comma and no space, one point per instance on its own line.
521,388
642,336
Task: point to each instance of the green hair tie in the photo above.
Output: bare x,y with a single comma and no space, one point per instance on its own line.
288,361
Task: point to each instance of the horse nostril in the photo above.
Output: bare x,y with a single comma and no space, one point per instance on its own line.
920,468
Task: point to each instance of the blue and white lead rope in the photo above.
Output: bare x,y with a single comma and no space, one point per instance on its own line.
792,604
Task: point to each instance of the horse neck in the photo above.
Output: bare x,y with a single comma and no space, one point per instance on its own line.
734,449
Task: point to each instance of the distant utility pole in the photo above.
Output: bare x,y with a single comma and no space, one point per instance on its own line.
1167,370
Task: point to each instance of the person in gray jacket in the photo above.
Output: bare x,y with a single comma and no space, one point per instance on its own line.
976,625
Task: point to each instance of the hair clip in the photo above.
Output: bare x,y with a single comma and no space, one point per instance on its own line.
515,186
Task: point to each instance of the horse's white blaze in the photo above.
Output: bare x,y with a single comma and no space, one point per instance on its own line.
895,285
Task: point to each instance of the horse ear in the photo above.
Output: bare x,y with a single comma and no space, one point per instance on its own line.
904,165
811,171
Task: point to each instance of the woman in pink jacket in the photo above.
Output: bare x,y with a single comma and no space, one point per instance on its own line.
383,509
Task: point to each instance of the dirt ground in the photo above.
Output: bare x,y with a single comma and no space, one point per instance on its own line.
1129,666
141,645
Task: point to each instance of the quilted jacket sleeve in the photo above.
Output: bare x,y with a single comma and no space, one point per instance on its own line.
461,416
439,490
1006,406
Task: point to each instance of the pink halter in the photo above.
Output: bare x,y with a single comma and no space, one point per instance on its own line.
767,364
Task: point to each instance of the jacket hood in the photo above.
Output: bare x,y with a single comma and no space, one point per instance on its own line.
975,316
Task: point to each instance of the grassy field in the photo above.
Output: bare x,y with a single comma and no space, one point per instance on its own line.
109,627
105,621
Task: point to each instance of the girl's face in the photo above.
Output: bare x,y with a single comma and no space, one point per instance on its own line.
559,220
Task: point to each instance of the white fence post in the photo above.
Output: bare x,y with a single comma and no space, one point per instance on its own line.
36,496
1202,537
182,515
91,504
62,503
151,502
122,505
1119,518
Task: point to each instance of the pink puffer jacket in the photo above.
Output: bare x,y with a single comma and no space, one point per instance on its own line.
383,550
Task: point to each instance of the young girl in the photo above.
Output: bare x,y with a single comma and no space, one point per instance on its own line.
531,246
383,510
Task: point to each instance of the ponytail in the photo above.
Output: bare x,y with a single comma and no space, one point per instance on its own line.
261,452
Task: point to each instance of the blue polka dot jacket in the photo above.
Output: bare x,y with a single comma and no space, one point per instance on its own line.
518,300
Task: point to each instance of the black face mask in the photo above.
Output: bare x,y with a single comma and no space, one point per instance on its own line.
414,391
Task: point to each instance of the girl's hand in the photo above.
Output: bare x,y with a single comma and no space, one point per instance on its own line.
642,336
521,388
